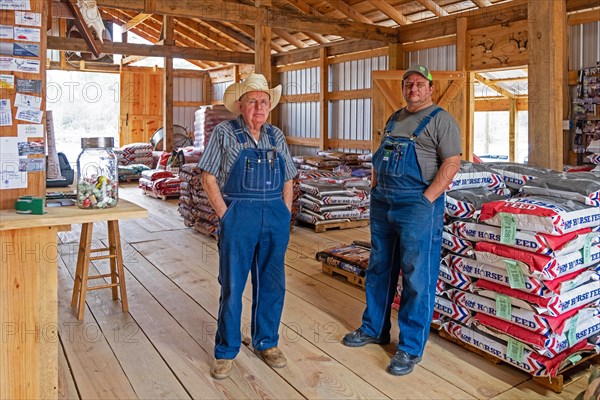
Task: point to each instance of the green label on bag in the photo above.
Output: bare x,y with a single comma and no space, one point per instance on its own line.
572,331
574,359
503,306
516,349
587,248
516,279
386,155
508,228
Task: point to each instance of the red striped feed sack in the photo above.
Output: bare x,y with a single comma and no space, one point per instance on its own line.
542,214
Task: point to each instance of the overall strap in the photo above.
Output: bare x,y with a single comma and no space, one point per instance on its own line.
239,132
391,122
271,135
425,122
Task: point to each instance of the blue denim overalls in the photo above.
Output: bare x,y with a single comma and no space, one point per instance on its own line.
406,235
253,236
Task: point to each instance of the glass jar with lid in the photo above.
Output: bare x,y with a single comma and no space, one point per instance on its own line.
97,174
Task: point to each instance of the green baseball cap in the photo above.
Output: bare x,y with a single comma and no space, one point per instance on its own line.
418,69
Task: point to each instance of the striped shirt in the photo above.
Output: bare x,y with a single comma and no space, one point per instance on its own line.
223,149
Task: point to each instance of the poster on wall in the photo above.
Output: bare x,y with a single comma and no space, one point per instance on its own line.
28,18
10,176
21,5
5,113
7,82
27,34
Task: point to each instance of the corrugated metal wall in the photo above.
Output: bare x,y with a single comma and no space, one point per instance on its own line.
186,89
439,58
219,91
584,46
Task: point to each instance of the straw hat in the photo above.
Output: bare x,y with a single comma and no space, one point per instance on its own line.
253,83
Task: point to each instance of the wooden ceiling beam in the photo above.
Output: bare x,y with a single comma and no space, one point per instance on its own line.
317,37
250,31
138,19
151,50
349,12
196,28
390,11
482,3
494,86
232,33
291,39
217,10
434,8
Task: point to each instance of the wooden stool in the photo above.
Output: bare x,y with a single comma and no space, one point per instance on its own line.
117,274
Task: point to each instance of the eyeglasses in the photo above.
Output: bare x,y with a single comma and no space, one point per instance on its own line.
420,85
263,103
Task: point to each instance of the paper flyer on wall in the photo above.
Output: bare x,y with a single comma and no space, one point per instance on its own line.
22,5
31,164
10,176
6,32
28,101
29,85
28,18
23,65
25,131
5,113
7,82
29,115
27,34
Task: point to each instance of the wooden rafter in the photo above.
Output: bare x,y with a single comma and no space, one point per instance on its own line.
434,8
482,3
217,10
293,40
152,50
83,29
138,19
349,12
390,11
121,18
494,86
232,33
300,5
195,28
250,32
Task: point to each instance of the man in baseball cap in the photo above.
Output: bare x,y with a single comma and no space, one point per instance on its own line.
418,69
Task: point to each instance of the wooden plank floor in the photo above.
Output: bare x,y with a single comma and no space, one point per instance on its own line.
162,348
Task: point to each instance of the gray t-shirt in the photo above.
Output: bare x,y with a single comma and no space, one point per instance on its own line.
439,140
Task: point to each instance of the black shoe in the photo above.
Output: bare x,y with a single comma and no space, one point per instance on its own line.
358,338
402,363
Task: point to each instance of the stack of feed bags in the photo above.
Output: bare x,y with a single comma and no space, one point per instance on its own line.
135,153
160,183
193,202
206,118
353,258
531,283
594,158
332,201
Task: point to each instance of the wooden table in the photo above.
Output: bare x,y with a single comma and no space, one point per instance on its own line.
28,295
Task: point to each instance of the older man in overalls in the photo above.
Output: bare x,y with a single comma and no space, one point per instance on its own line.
412,168
247,176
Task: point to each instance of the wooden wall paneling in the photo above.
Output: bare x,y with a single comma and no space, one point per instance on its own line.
512,130
546,76
36,181
141,107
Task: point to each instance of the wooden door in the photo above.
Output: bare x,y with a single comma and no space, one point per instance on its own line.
450,93
141,109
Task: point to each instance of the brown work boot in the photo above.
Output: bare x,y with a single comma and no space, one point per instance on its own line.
221,368
273,357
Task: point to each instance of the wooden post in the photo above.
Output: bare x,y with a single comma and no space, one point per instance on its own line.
168,87
462,56
546,76
262,49
396,57
62,32
323,99
274,115
512,131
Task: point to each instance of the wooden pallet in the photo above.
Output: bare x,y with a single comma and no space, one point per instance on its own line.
352,278
556,384
324,226
159,196
568,375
